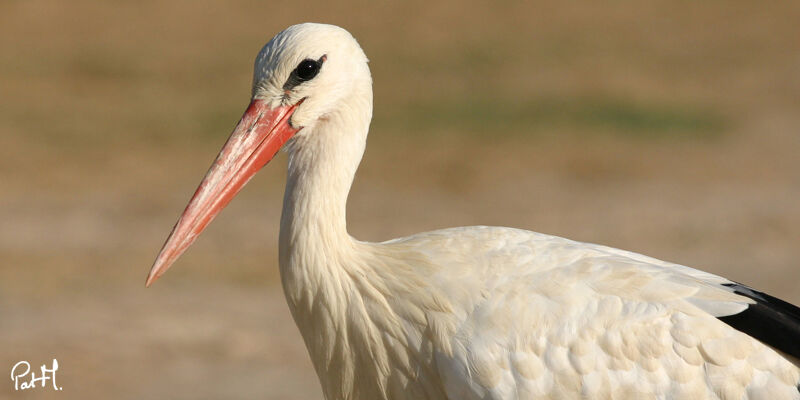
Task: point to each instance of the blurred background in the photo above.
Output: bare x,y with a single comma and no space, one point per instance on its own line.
670,128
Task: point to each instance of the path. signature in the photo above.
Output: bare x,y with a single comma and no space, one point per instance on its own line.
21,370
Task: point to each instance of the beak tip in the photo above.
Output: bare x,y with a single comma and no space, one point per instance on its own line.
155,272
150,279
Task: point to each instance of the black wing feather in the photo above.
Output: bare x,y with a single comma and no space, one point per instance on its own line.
771,320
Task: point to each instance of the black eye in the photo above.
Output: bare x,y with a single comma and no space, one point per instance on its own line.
307,69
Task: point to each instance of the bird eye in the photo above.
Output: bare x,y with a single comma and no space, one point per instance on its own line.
307,69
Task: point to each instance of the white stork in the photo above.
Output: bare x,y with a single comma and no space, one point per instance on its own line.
474,312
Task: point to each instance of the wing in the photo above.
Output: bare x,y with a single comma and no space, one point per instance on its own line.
770,320
542,316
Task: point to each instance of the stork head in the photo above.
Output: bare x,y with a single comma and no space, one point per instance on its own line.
301,76
316,64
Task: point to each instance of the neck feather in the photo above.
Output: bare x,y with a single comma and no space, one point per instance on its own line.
322,164
338,289
317,255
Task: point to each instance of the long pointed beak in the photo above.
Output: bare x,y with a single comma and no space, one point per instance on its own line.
260,133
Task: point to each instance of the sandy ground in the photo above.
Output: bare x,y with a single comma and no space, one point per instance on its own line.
668,131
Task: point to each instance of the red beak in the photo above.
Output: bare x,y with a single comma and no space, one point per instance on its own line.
260,133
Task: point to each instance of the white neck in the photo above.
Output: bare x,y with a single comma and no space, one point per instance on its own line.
322,164
317,255
338,291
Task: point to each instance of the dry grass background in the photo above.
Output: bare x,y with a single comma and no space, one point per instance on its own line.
669,128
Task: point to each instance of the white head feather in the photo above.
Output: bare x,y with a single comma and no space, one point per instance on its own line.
344,72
